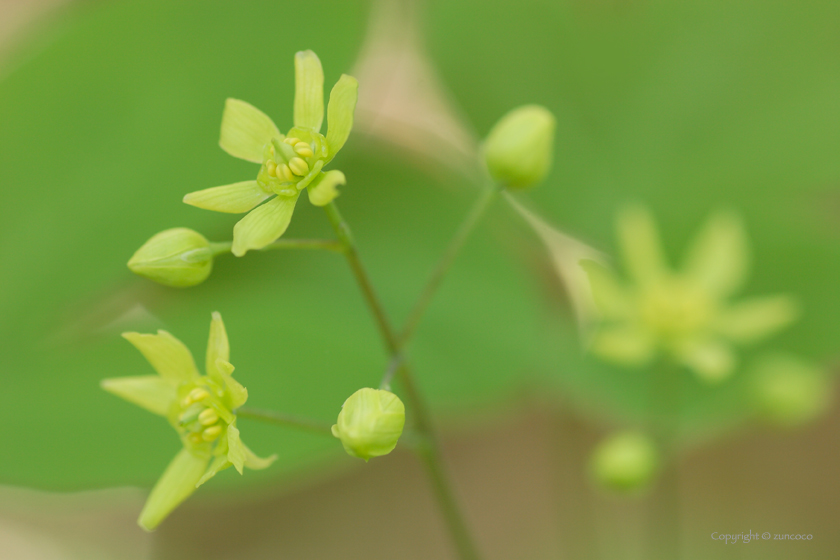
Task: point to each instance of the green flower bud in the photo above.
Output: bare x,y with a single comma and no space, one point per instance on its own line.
370,423
788,392
178,257
625,462
519,149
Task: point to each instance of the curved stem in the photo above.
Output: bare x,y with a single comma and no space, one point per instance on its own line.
279,418
472,218
429,448
326,244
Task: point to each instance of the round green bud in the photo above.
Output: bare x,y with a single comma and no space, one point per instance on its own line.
519,149
789,392
625,462
370,423
178,257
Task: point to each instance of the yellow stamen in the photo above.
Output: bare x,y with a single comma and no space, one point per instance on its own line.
208,417
303,149
284,173
291,141
298,166
196,395
195,438
211,433
270,167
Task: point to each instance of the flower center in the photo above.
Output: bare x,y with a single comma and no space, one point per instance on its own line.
288,162
675,309
199,419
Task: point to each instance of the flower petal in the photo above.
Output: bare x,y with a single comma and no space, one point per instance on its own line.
610,297
237,394
168,355
216,465
152,392
246,130
718,256
754,319
342,104
252,461
233,199
236,450
711,360
263,225
323,189
309,91
640,245
175,485
218,347
627,345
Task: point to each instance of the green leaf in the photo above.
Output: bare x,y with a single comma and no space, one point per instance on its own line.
233,199
152,392
246,130
168,355
324,188
178,481
263,225
754,319
218,347
309,91
640,247
718,258
342,105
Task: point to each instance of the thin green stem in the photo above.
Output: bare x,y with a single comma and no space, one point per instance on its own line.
666,390
429,448
324,244
281,419
480,206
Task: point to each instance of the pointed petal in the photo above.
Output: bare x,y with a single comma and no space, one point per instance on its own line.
237,394
610,297
323,189
175,486
712,360
640,245
233,199
236,450
152,392
754,319
309,91
342,104
216,465
218,347
168,355
263,225
246,130
718,258
626,345
252,461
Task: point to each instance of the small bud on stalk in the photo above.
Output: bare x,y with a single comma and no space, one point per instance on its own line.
370,423
519,148
625,462
178,257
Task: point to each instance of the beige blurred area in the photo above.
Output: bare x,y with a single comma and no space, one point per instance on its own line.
520,473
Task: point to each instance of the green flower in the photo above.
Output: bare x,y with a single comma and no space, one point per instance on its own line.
200,408
288,163
685,315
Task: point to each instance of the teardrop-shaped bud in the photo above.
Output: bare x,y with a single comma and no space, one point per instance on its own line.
520,147
178,257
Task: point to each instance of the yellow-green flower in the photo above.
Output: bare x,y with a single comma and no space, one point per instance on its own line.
201,408
288,163
683,314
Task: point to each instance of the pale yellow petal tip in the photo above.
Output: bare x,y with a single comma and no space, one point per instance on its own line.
225,366
146,527
216,316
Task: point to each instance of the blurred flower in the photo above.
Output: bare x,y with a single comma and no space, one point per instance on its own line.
625,462
178,257
370,423
519,148
683,314
289,163
787,391
200,408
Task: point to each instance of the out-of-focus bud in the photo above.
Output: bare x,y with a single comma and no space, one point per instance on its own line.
789,392
519,149
178,257
370,423
625,462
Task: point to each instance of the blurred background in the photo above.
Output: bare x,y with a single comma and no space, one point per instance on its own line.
109,114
